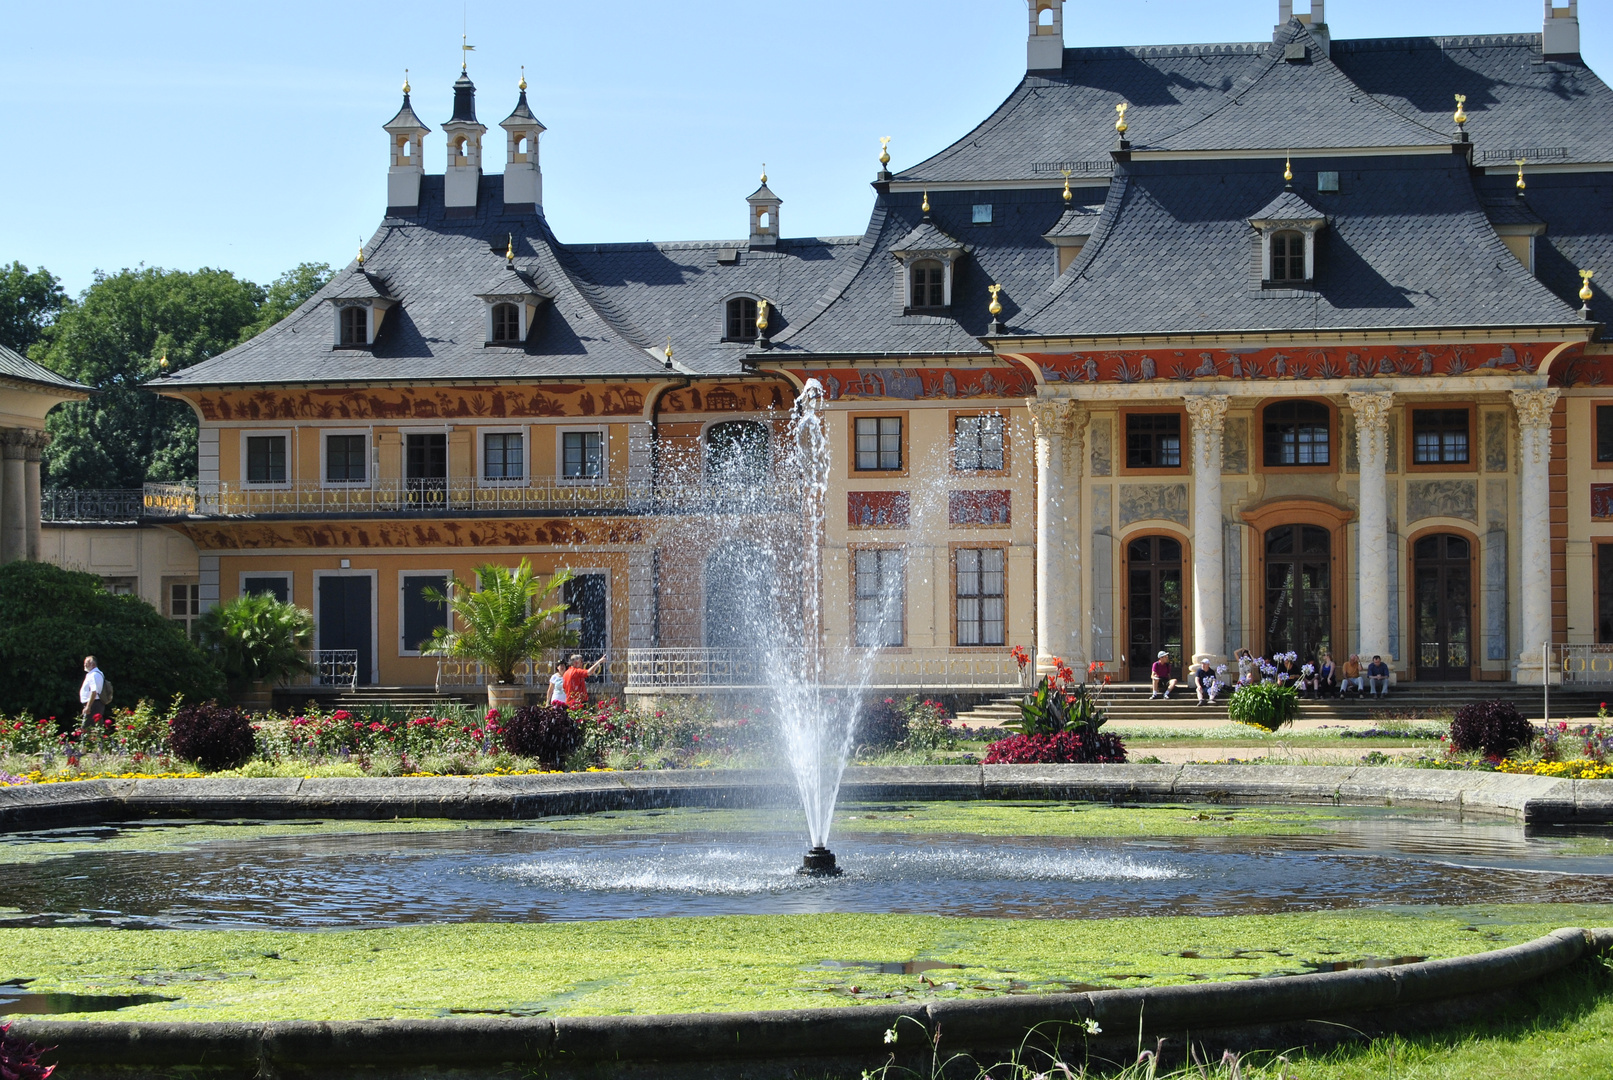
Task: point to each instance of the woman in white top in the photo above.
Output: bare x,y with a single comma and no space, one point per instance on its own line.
557,684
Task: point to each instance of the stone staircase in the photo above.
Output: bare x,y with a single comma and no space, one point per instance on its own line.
420,701
1128,703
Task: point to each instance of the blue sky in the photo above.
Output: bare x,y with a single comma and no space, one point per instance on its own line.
248,137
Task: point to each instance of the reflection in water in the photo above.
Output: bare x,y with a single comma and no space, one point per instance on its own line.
532,873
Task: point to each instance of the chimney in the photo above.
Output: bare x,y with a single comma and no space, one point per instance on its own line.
523,179
764,205
1044,50
464,175
405,138
1560,36
1315,21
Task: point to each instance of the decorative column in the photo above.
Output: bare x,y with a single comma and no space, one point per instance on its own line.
1372,561
1052,421
13,496
1534,409
37,441
1209,414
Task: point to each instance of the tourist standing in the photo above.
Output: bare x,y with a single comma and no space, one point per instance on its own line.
557,684
576,680
92,690
1246,667
1160,676
1206,683
1378,677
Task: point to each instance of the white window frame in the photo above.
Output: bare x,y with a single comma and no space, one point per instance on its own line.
412,572
482,478
958,599
369,458
189,581
523,308
259,433
948,258
375,614
286,575
369,322
560,434
857,599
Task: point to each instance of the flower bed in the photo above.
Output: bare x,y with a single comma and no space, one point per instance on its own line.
1581,769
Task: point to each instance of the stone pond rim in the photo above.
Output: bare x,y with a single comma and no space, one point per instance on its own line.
1535,800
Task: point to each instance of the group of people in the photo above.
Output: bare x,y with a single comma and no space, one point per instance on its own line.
1316,678
568,685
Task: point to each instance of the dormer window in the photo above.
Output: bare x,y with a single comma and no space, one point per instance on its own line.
355,325
359,303
1288,226
506,324
928,284
740,324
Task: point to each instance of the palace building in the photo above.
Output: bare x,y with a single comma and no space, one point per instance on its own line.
1288,345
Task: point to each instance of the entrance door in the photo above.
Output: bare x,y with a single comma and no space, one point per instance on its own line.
1299,593
425,470
1444,598
1154,603
344,619
588,614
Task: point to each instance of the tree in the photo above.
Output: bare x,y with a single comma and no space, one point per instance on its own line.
29,304
506,621
50,619
257,639
287,293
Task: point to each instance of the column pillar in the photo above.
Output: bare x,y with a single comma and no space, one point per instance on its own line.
1051,423
1209,414
1534,408
37,441
13,497
1079,614
1372,561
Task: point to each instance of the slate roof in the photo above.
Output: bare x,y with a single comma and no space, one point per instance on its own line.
1077,221
1287,206
15,366
926,237
1408,246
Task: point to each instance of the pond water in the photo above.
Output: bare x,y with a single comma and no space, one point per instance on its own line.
318,875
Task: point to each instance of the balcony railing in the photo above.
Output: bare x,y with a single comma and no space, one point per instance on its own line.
531,673
694,670
102,504
435,497
1582,665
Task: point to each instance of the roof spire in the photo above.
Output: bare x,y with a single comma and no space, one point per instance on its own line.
521,86
1121,127
361,253
1288,173
1522,187
465,47
668,353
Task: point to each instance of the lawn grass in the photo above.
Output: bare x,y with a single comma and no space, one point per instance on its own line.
719,964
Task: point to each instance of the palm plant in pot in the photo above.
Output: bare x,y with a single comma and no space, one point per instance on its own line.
511,618
257,641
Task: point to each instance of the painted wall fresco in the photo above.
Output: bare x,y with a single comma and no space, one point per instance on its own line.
877,509
728,397
253,536
1602,501
426,403
1442,498
916,384
1293,363
979,507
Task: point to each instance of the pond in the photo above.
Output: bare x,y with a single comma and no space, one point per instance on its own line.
324,874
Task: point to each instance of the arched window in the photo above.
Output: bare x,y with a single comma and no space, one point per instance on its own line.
740,586
1288,256
737,452
741,321
929,284
506,323
1297,433
355,326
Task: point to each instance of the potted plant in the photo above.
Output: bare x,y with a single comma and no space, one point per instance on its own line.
257,641
509,619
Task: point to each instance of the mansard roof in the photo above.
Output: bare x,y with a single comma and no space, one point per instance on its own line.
1408,246
926,237
1287,206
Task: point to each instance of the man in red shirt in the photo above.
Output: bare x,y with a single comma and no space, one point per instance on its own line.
1161,674
575,680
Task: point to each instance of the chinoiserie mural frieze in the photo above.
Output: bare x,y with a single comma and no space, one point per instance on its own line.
1254,364
1442,498
380,535
427,403
917,384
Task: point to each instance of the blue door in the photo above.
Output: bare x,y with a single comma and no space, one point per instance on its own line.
344,619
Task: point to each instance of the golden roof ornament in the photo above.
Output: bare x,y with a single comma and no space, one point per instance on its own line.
1461,110
668,353
1522,187
162,364
521,86
1069,195
764,174
1288,172
509,252
405,80
885,150
361,253
761,314
996,307
1585,293
926,206
1120,122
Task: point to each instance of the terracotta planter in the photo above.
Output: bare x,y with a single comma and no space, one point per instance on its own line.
504,696
258,697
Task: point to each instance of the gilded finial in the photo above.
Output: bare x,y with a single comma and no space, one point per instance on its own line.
1461,110
163,363
509,252
764,172
885,150
1288,170
996,307
761,314
465,49
1120,122
1585,293
1522,187
361,253
521,86
926,206
668,353
1068,194
405,80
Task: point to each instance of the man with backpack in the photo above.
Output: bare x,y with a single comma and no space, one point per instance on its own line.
96,692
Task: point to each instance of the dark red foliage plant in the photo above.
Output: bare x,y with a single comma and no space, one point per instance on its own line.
1061,748
19,1060
546,732
1495,727
212,735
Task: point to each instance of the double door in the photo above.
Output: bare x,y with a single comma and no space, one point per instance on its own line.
425,470
346,619
1153,604
1443,599
1299,591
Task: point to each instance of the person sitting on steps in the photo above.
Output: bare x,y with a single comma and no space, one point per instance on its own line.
1351,675
1206,683
1378,676
1160,676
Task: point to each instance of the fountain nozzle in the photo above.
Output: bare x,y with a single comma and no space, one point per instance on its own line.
819,862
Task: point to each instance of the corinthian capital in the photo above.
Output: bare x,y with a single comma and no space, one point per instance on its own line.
1535,406
1054,417
1371,412
1209,412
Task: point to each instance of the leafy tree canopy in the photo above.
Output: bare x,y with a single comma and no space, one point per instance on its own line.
51,618
30,300
113,339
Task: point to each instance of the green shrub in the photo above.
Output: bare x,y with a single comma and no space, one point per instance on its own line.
1264,705
51,618
258,639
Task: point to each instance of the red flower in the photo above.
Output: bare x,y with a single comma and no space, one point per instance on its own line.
492,714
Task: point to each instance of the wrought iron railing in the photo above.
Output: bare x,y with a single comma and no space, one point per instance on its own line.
915,669
1582,665
336,667
531,673
99,504
467,495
